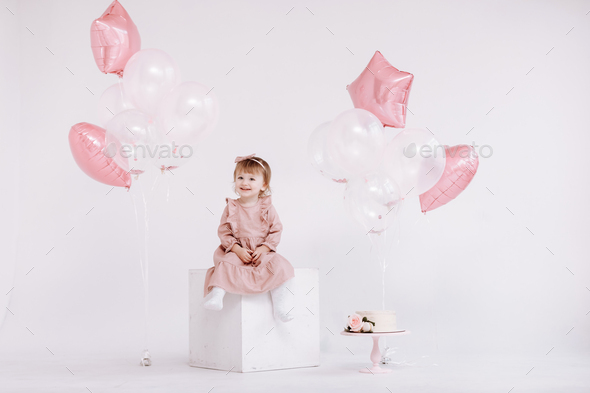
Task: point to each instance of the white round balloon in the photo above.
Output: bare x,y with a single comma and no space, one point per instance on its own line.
415,160
372,200
317,152
149,75
188,113
111,102
131,141
356,141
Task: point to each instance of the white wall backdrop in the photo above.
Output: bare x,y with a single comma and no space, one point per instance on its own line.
502,269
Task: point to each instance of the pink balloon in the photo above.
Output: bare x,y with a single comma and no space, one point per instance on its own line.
114,38
461,165
87,142
383,90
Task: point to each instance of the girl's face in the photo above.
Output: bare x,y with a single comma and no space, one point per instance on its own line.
249,185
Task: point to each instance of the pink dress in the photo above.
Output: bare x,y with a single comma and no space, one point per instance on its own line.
250,227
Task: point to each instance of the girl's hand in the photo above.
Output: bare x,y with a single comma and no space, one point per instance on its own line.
243,253
257,253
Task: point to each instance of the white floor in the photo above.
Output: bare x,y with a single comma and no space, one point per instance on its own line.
21,372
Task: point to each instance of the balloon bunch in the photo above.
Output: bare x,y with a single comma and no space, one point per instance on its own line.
151,120
149,117
379,175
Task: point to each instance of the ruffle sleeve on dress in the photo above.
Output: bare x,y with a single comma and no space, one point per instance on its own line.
227,226
275,227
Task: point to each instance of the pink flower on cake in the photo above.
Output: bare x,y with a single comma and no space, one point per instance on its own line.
355,322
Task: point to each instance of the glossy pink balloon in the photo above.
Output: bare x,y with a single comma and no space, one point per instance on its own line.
383,90
114,38
461,165
87,142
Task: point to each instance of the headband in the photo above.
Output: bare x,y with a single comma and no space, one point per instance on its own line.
238,159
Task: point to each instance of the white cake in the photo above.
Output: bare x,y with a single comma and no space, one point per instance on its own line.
384,320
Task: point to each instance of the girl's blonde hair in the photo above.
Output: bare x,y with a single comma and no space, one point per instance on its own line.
250,166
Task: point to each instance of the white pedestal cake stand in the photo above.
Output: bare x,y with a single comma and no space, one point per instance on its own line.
375,353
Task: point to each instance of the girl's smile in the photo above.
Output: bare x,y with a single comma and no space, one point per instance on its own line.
249,185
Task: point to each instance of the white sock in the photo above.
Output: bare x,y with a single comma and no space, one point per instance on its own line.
214,300
279,302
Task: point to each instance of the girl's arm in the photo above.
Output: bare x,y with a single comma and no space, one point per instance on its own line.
276,227
224,232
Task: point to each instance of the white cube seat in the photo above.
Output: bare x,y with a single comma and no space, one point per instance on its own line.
244,336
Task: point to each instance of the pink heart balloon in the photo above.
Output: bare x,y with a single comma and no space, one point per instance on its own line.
114,38
460,167
383,90
87,142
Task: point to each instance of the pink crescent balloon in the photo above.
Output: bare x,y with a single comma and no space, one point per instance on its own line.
87,142
461,165
114,38
383,90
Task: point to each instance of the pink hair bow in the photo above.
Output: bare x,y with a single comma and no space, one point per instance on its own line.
238,159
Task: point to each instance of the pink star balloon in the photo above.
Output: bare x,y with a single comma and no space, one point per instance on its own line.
383,90
87,142
114,38
460,168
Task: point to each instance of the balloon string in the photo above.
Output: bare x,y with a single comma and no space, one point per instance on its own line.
384,267
143,236
395,239
145,270
168,189
142,194
420,219
154,184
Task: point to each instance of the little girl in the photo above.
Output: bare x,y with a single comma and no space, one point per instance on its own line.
246,262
